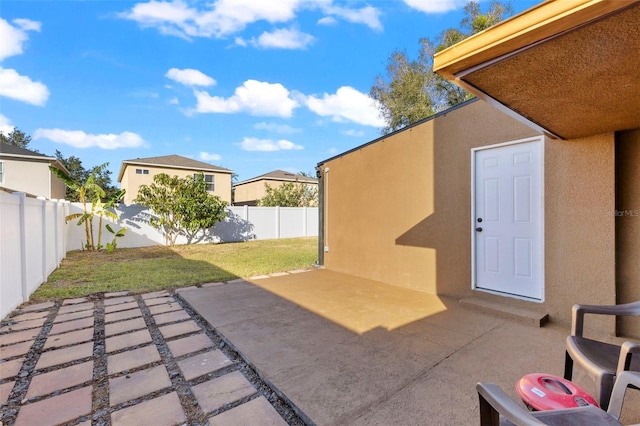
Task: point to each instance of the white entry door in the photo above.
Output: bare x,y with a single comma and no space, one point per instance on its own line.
508,219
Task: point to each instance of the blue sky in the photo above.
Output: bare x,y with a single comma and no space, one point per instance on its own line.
249,85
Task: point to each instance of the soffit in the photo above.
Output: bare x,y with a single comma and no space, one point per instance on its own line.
579,82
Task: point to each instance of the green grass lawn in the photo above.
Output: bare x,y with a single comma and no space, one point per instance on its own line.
154,268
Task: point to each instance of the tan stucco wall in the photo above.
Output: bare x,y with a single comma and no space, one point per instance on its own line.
132,181
254,191
398,211
579,234
32,177
628,226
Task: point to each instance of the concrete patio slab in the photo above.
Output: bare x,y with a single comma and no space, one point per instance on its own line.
72,316
316,337
57,409
29,316
43,384
20,336
173,316
161,411
125,388
87,371
61,356
16,349
120,307
72,337
37,307
23,325
128,340
255,412
166,307
10,368
205,363
78,324
5,390
75,308
122,315
215,393
114,328
179,329
132,359
189,344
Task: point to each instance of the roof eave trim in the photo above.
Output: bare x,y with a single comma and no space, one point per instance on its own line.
531,26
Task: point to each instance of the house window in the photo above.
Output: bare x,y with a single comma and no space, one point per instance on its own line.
1,172
142,171
209,180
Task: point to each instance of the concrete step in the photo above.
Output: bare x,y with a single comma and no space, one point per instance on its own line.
518,314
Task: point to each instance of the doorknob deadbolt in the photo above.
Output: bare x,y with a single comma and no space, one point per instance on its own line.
479,219
479,229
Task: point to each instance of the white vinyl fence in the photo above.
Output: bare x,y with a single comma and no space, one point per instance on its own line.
32,244
242,224
34,237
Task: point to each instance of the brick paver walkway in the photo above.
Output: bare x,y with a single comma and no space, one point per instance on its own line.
126,359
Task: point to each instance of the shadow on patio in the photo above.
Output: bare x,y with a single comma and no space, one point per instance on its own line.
351,351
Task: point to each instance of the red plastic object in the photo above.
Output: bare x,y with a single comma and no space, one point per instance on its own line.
543,392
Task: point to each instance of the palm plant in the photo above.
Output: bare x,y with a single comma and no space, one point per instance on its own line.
89,190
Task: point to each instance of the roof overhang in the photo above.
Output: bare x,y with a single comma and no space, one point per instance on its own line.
126,163
569,68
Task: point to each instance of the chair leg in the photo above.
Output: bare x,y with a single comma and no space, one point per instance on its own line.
568,366
488,415
604,387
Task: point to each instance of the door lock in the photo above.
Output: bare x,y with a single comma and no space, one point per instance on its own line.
479,229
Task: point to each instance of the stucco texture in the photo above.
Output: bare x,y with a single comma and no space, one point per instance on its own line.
398,211
132,181
627,216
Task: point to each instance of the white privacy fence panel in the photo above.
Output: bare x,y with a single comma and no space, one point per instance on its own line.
10,269
242,224
34,236
30,246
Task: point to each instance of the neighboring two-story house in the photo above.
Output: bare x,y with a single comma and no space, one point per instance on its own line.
140,171
248,192
23,170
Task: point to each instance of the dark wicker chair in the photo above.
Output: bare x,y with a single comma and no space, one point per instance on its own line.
602,361
496,408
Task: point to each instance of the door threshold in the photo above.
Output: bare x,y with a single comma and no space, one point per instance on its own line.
514,313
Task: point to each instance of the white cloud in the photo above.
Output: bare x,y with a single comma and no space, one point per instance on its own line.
5,125
277,128
254,97
347,104
327,20
435,6
80,139
22,88
284,39
190,77
174,101
13,38
223,18
352,132
369,16
255,144
12,84
207,156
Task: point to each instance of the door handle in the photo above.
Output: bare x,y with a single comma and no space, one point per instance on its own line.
479,229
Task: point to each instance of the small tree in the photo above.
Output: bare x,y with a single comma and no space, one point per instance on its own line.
182,206
290,194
